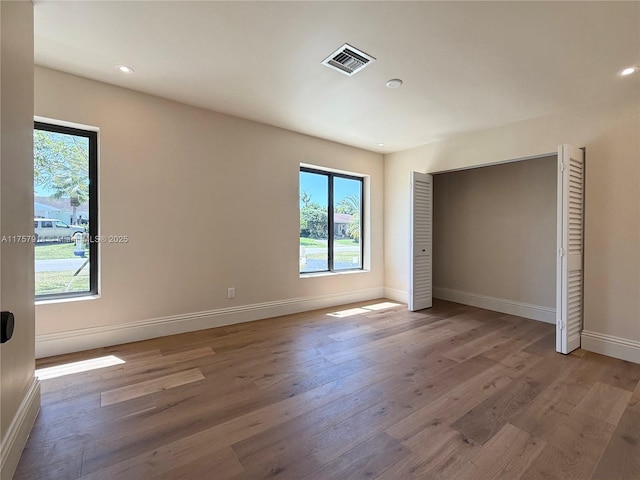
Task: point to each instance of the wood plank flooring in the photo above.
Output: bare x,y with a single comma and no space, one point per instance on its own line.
368,390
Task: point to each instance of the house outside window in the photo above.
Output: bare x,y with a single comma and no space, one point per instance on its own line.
331,221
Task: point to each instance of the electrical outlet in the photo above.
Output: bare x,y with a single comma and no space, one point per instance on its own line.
231,292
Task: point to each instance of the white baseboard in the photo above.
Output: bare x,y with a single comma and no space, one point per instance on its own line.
95,337
401,296
15,439
611,346
502,305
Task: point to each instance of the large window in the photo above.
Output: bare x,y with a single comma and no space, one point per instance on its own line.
65,211
331,206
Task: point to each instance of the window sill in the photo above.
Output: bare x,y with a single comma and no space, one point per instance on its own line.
331,274
81,298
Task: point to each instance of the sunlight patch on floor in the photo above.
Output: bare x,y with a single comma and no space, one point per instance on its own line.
77,367
366,309
381,306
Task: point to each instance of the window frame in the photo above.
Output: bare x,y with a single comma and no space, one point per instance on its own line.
330,217
92,136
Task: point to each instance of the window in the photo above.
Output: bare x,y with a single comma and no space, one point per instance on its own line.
331,206
65,190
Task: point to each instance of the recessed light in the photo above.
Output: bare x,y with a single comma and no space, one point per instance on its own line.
124,69
628,71
381,144
394,83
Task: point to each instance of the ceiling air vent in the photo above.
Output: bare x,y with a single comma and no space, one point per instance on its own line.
348,60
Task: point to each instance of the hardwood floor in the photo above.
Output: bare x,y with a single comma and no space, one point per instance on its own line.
365,391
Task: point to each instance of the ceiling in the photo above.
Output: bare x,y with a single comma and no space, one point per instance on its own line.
465,65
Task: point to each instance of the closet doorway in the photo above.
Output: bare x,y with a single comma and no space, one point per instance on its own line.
569,248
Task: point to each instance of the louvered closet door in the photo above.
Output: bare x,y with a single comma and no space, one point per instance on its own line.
420,288
569,296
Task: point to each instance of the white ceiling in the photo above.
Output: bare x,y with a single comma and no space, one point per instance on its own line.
465,65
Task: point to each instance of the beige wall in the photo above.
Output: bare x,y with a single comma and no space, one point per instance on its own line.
495,231
208,202
612,236
16,214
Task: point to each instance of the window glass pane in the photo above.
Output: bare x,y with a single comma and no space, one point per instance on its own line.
347,199
314,222
61,195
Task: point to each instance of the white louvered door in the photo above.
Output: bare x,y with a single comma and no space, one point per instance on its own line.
569,285
420,288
